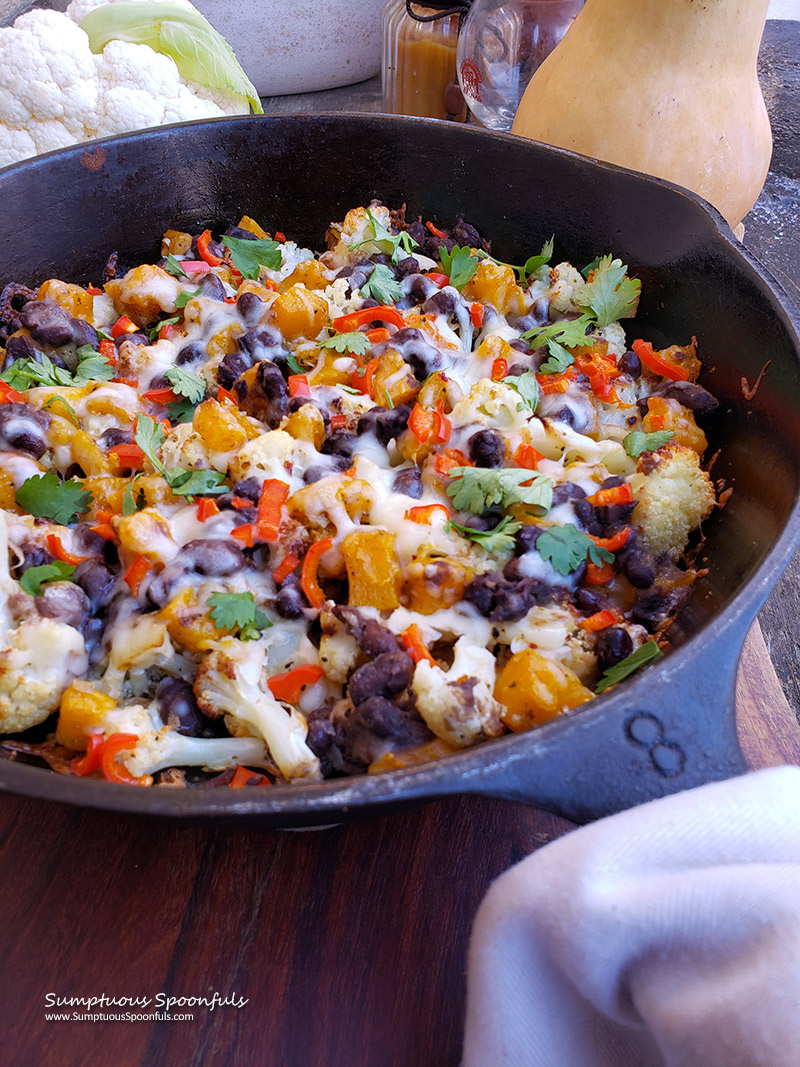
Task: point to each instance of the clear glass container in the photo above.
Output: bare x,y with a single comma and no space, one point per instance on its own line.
500,47
418,73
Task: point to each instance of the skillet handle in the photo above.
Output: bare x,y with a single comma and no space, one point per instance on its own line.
665,732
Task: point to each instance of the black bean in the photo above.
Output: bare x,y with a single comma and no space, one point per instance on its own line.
213,557
638,566
612,645
504,601
441,303
629,363
614,514
18,346
65,602
97,581
590,601
421,287
487,449
114,436
487,520
211,287
162,588
653,606
232,366
289,603
693,396
83,333
612,482
368,422
525,539
325,741
240,234
191,353
374,723
465,234
250,307
137,338
387,424
339,443
23,429
587,516
388,674
12,299
407,266
567,491
376,640
176,701
408,482
47,321
249,488
314,473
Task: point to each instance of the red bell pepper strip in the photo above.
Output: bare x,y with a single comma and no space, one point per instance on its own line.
58,550
599,575
299,385
619,494
308,576
242,778
655,362
136,573
378,335
449,458
202,247
241,503
288,686
195,266
424,512
420,422
612,544
105,530
108,350
206,507
92,290
224,394
439,280
123,325
83,765
245,534
499,369
273,496
601,620
381,313
528,457
338,421
286,567
114,771
436,231
412,639
9,395
128,455
476,315
442,427
361,379
160,396
280,237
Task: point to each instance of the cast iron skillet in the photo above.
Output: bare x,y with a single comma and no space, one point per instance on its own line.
667,729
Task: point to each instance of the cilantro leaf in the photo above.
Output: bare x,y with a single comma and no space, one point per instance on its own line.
349,389
44,496
149,436
527,387
70,415
500,539
649,652
610,293
238,611
637,442
386,241
356,343
34,577
293,365
172,266
155,330
382,286
533,263
565,548
587,270
181,300
477,488
195,483
181,410
14,375
92,367
568,332
248,256
130,504
184,383
459,265
557,361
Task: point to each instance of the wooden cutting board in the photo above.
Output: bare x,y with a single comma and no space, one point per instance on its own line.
768,728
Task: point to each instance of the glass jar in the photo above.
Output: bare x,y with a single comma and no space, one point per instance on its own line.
500,46
418,73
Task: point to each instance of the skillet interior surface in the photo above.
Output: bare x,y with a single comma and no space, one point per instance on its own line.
670,728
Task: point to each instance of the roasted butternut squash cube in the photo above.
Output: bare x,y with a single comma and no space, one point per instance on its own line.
533,689
496,284
299,312
72,298
218,426
373,570
307,424
82,708
189,624
309,273
432,584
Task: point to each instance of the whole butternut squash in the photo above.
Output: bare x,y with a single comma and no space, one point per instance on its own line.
668,87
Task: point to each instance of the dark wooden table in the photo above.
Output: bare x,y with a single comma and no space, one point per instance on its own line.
348,944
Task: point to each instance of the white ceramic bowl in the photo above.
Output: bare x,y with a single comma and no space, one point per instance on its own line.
303,45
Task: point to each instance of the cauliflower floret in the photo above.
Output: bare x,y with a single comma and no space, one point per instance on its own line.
356,228
458,704
137,642
184,448
158,750
490,403
675,495
39,662
229,682
565,281
273,455
615,336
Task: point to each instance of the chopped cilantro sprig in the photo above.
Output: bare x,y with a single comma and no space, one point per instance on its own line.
477,488
566,547
44,496
649,652
238,611
500,539
249,256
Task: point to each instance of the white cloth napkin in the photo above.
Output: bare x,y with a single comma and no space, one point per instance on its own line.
666,935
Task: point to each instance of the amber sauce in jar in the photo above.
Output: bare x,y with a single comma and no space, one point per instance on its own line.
419,65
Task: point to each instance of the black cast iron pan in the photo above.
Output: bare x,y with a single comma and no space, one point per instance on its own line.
671,727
